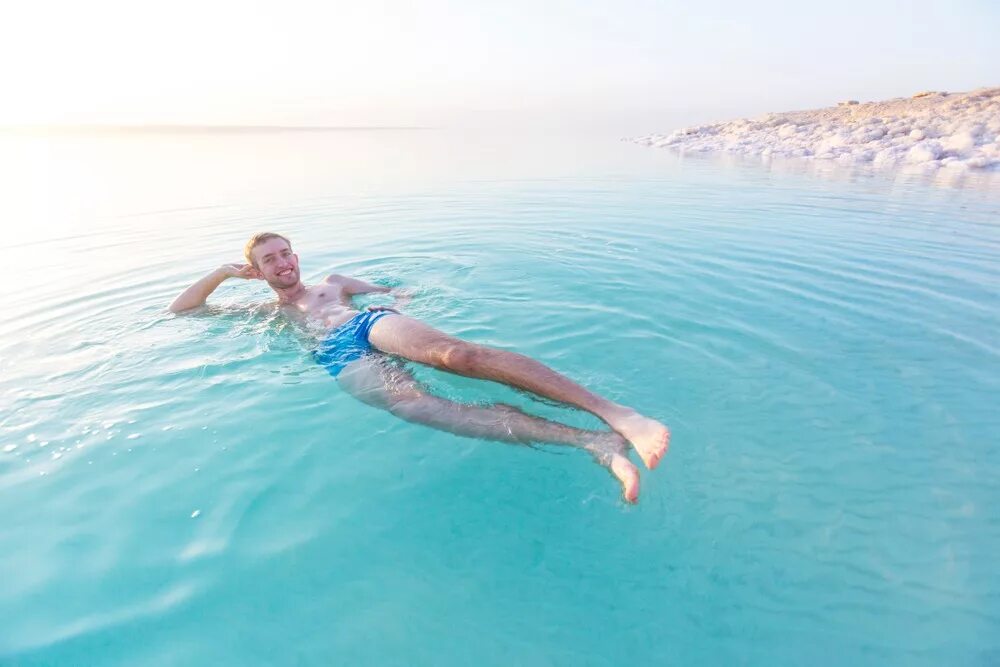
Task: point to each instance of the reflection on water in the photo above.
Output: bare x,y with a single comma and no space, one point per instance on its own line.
902,176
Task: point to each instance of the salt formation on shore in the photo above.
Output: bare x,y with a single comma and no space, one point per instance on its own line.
931,130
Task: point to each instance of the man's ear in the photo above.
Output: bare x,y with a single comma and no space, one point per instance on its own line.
257,274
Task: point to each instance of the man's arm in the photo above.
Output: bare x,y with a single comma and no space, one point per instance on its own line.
195,295
353,287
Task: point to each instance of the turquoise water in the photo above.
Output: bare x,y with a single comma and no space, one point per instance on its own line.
194,490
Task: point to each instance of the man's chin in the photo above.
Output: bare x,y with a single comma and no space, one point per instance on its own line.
284,283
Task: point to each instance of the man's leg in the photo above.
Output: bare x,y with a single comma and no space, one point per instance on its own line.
385,386
409,338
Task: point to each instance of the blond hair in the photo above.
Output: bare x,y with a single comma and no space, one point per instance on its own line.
256,240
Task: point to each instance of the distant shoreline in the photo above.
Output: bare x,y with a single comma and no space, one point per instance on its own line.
195,129
930,130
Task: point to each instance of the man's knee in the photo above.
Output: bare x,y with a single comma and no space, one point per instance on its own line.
461,356
411,408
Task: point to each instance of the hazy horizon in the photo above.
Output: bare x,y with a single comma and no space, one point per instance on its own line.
645,66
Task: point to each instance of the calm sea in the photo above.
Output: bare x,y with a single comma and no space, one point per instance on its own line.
195,490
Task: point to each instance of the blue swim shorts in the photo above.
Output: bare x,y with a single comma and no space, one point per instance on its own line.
348,342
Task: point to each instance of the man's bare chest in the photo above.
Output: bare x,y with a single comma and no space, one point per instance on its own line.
322,297
327,303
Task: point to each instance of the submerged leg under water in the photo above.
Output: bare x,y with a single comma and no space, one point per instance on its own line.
405,337
374,380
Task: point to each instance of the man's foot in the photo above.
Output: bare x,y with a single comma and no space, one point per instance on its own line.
610,453
649,437
628,475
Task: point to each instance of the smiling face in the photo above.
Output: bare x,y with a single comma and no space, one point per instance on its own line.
276,262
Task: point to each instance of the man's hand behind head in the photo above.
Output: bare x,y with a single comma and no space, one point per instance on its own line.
237,270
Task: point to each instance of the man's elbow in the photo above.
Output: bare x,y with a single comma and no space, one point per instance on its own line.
179,306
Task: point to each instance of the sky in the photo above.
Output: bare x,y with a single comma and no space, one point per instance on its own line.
635,65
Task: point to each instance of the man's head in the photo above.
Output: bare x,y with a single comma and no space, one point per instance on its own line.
271,254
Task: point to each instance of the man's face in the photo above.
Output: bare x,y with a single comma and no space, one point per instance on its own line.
277,264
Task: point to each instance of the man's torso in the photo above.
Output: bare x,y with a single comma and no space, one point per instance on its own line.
325,305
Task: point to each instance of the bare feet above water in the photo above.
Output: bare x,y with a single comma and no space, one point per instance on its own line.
648,437
611,453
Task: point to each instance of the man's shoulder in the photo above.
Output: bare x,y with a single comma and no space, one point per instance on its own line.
335,279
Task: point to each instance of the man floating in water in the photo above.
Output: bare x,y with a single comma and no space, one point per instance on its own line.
348,354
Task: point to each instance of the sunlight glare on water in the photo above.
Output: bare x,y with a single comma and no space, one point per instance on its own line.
195,490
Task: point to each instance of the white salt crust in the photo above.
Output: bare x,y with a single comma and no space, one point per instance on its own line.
932,130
